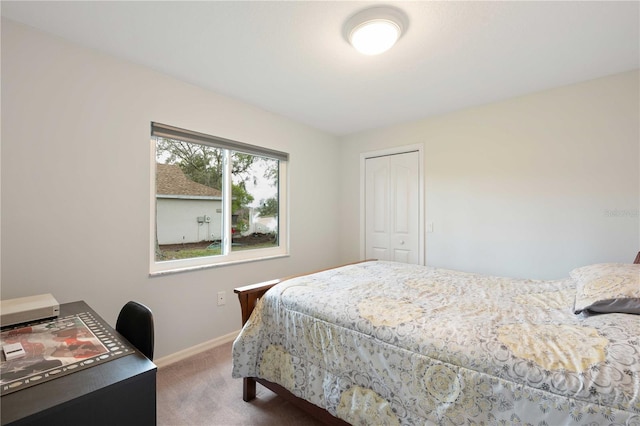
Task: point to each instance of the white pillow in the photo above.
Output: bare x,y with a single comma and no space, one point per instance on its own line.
607,288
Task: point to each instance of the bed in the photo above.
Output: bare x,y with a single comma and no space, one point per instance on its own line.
387,343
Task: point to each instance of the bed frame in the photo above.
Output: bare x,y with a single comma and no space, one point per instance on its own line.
249,296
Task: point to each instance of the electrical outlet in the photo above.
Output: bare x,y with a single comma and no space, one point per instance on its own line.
222,298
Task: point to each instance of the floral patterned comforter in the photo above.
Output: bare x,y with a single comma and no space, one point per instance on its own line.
387,343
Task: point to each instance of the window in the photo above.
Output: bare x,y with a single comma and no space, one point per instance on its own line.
214,201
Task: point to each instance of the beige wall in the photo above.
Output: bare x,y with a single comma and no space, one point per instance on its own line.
76,186
530,187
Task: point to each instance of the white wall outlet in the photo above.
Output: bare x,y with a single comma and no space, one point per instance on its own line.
429,227
222,298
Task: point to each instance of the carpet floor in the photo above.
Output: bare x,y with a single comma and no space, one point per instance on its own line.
199,391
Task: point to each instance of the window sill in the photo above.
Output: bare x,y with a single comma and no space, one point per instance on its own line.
180,269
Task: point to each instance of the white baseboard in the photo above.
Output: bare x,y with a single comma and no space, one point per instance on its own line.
194,350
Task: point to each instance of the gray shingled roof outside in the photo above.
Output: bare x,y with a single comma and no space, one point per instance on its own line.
171,180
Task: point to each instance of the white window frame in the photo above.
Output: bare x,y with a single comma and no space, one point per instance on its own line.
228,257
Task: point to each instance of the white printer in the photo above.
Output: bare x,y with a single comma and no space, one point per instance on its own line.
27,309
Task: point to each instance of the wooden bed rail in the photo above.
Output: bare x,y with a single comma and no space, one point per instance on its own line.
250,294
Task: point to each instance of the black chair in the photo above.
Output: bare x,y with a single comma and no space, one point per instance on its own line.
135,323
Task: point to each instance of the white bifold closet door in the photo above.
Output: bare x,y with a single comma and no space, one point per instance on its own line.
391,207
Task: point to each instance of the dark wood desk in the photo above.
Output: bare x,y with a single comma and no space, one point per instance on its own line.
118,392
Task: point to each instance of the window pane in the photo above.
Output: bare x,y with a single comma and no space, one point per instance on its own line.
255,202
213,202
189,202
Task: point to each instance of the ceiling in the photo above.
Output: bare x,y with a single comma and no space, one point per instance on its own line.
291,58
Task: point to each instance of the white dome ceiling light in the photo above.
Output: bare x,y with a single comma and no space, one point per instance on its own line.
375,30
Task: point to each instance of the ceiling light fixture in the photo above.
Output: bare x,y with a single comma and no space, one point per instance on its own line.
375,30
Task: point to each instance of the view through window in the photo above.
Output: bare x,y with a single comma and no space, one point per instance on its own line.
213,201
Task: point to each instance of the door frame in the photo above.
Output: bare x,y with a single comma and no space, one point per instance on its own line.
383,153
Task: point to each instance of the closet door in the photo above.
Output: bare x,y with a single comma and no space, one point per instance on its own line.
392,208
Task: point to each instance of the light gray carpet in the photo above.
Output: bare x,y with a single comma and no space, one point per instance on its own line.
200,391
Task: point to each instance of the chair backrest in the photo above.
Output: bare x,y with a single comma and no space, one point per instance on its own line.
135,323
